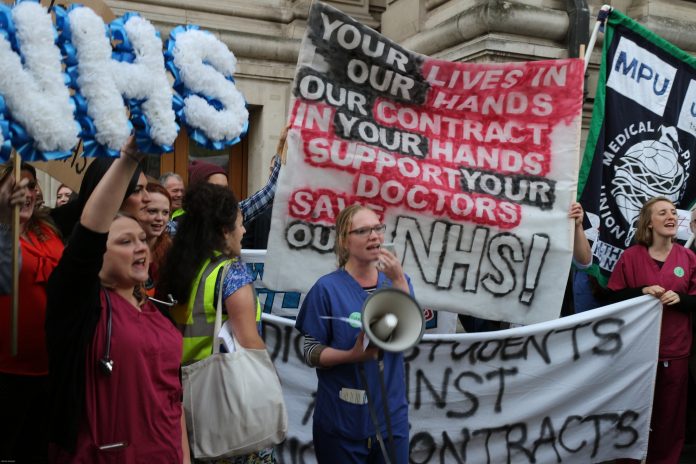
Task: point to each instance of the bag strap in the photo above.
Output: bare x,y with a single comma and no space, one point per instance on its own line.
218,312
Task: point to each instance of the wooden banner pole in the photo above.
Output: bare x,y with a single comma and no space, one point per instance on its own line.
17,173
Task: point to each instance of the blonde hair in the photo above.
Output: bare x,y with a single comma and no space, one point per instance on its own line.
644,234
344,222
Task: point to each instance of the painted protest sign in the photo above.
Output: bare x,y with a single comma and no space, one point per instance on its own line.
573,390
641,138
471,166
287,303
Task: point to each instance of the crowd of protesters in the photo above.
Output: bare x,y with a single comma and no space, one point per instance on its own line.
109,282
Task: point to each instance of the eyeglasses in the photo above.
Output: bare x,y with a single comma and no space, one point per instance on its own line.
364,231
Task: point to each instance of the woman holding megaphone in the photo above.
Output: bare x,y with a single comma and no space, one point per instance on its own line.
348,373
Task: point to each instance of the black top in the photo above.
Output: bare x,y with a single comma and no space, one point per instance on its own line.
72,313
65,217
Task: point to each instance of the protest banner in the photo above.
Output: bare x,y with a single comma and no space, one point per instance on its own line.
287,303
574,390
472,167
640,141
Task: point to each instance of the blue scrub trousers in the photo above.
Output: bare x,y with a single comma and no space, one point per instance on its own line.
332,449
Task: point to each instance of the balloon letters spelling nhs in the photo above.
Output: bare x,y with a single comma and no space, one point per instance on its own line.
81,79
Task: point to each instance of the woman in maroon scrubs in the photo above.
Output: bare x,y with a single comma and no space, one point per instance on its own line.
114,359
657,266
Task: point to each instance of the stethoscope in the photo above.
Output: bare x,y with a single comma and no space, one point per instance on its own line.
106,364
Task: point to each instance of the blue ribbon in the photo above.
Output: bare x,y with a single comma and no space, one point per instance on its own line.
142,130
6,147
123,48
64,41
93,149
117,28
7,27
182,92
26,148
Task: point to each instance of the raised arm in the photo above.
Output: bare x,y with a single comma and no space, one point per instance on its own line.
582,252
254,205
105,201
74,286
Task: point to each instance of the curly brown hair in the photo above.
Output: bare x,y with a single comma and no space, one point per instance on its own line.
211,211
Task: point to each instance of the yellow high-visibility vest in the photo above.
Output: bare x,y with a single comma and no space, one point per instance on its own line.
196,319
176,214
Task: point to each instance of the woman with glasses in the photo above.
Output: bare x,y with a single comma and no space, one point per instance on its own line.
23,378
343,429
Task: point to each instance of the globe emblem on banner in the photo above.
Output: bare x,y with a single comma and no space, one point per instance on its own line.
649,168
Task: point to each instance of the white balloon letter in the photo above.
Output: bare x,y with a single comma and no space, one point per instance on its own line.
103,81
204,62
35,92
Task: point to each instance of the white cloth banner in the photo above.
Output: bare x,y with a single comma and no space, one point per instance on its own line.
471,166
574,390
287,303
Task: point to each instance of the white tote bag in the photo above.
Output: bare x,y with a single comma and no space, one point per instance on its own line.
233,401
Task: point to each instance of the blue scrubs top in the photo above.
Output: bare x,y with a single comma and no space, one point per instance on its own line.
338,410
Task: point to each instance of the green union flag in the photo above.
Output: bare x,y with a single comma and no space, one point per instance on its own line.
641,139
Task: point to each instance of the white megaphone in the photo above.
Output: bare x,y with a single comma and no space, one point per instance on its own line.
392,320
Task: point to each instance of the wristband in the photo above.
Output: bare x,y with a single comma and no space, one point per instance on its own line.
133,156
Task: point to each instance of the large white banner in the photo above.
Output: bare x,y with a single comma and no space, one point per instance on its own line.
472,167
575,390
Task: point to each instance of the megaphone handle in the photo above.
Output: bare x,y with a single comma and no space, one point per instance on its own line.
388,457
385,405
